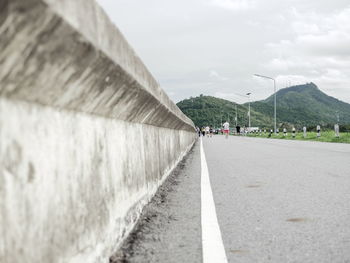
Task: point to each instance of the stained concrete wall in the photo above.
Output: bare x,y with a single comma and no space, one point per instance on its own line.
86,133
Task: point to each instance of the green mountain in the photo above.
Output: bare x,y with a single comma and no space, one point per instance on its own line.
305,105
207,110
298,105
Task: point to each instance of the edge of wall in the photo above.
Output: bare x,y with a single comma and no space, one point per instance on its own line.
78,34
71,86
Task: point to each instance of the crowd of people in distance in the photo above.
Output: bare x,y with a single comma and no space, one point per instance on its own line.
205,131
225,129
209,130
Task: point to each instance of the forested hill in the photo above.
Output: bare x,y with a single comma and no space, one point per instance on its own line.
298,105
305,105
207,110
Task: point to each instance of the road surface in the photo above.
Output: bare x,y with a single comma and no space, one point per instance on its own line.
275,201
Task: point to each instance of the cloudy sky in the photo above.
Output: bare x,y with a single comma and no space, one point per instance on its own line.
213,47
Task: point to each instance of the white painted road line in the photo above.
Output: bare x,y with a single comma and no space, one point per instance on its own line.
212,245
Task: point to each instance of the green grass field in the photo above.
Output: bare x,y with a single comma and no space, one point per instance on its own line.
326,136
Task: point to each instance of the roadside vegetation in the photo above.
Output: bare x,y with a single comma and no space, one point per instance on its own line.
326,136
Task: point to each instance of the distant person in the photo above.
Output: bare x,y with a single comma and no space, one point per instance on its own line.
318,129
203,131
211,131
226,127
277,131
304,131
238,129
244,131
207,129
198,131
336,130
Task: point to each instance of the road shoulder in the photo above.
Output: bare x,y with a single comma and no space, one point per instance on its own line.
169,229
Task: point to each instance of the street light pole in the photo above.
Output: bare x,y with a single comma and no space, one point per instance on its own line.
337,114
248,94
236,115
274,87
221,113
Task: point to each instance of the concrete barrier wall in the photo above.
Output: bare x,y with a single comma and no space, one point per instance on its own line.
86,133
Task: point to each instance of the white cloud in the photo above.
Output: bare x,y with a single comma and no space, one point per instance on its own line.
215,46
324,35
319,52
235,5
317,35
214,75
302,28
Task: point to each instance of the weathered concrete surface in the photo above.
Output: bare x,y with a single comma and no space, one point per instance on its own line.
84,63
169,229
86,133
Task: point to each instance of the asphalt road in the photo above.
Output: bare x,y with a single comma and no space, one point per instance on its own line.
276,201
281,201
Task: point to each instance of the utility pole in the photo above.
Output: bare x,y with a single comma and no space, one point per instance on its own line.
236,115
337,114
248,94
274,86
